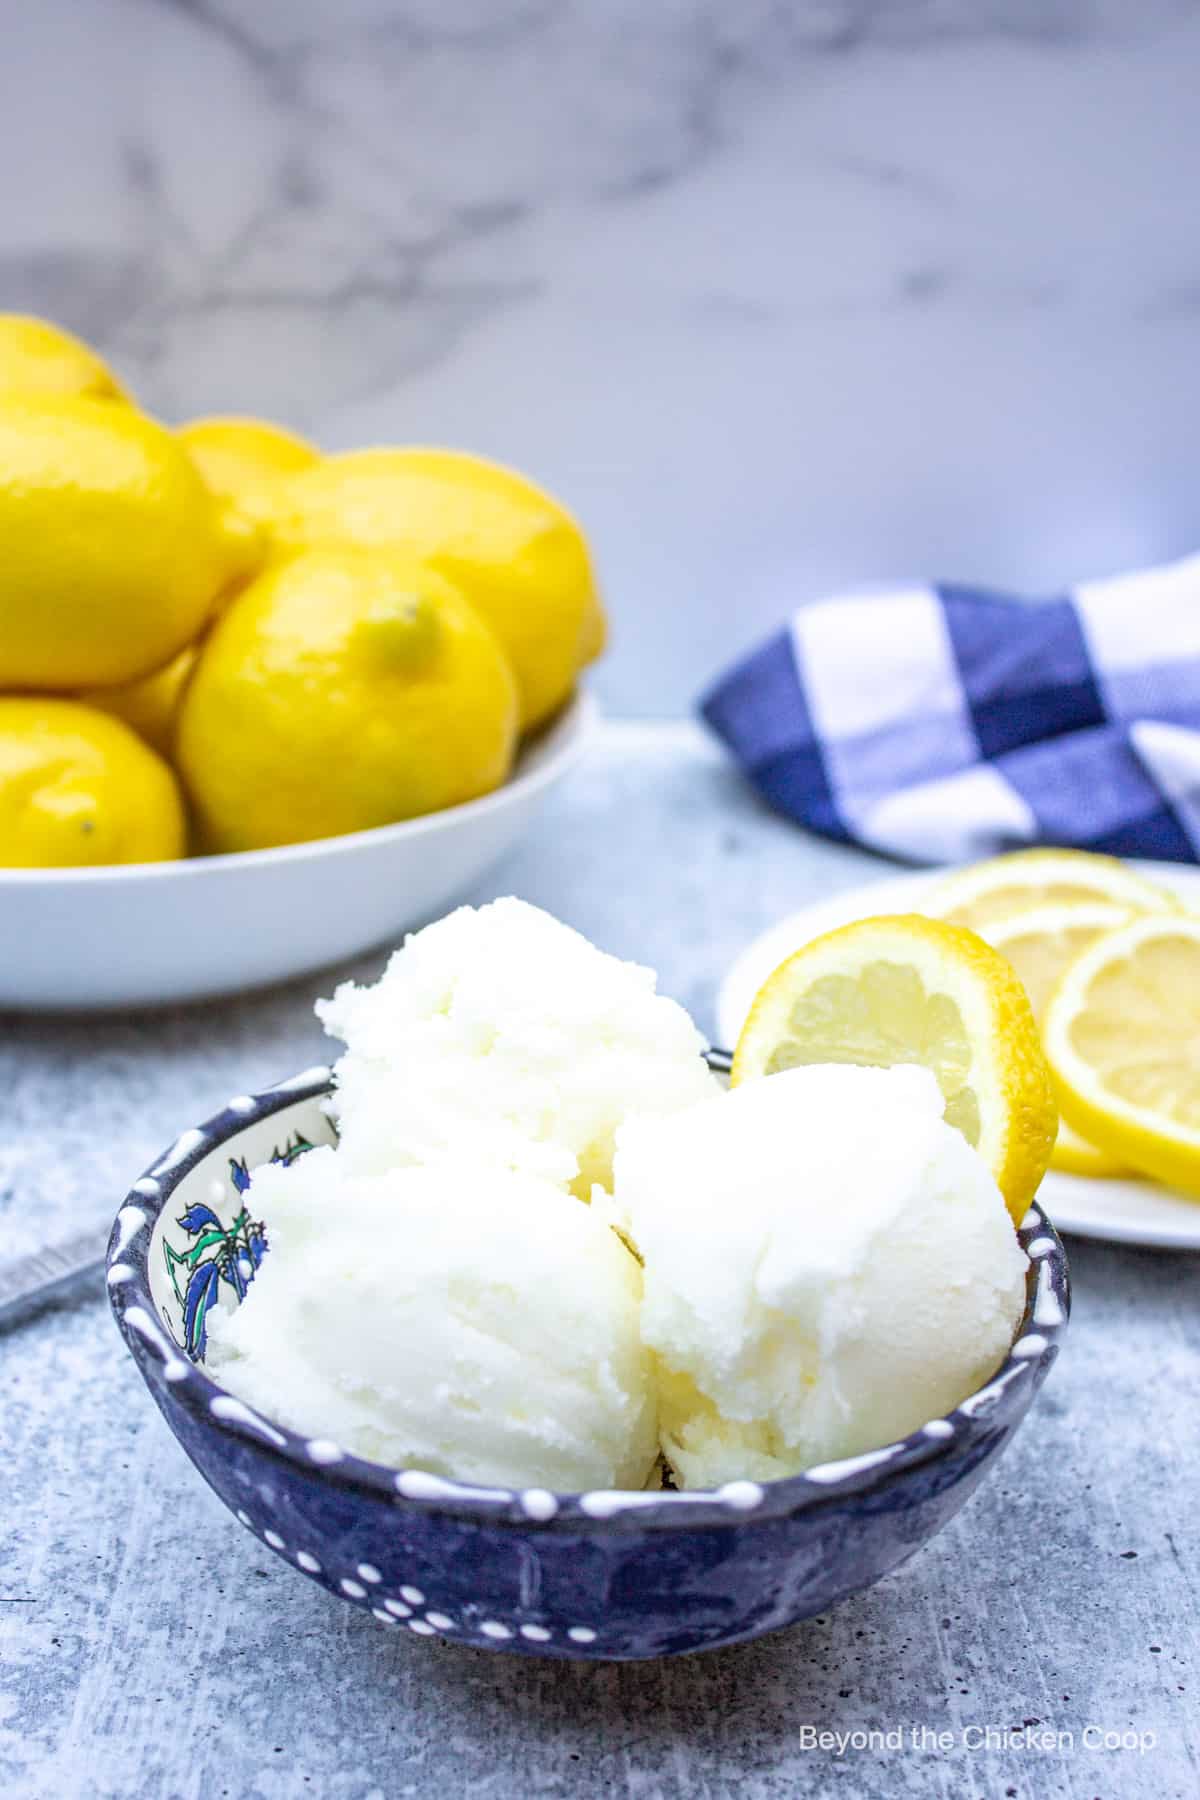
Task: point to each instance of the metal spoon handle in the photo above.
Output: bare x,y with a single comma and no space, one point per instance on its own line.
29,1281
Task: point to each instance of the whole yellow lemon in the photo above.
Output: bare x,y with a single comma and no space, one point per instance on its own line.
39,358
341,690
78,789
110,556
244,462
516,554
236,454
149,705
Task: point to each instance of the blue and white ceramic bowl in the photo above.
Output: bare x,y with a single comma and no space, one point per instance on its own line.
598,1575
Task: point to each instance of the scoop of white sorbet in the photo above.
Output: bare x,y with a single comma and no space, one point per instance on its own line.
828,1265
503,1034
478,1325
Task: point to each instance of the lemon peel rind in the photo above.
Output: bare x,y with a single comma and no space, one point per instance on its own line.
1077,1155
1115,883
1072,1154
1165,1148
995,1010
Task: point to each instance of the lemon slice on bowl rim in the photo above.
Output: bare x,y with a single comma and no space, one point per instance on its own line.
907,989
1041,944
1005,885
1121,1034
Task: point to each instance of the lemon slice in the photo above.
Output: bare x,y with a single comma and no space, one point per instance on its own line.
1076,1155
1122,1034
908,989
1005,885
1040,945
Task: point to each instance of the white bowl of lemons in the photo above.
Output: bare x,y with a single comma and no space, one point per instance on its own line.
152,933
260,708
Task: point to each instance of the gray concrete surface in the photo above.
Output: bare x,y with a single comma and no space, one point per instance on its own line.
149,1647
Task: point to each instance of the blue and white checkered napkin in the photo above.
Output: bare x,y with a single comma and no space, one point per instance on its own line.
943,723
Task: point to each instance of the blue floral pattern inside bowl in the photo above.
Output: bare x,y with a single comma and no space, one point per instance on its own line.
596,1575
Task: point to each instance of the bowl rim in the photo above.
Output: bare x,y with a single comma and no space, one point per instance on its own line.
547,752
164,1365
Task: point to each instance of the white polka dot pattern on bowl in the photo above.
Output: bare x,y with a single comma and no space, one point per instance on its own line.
495,1631
391,1611
539,1503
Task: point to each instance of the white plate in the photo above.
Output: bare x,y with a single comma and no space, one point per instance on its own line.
1128,1211
87,939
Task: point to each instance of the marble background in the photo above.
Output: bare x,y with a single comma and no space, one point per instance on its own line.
778,295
